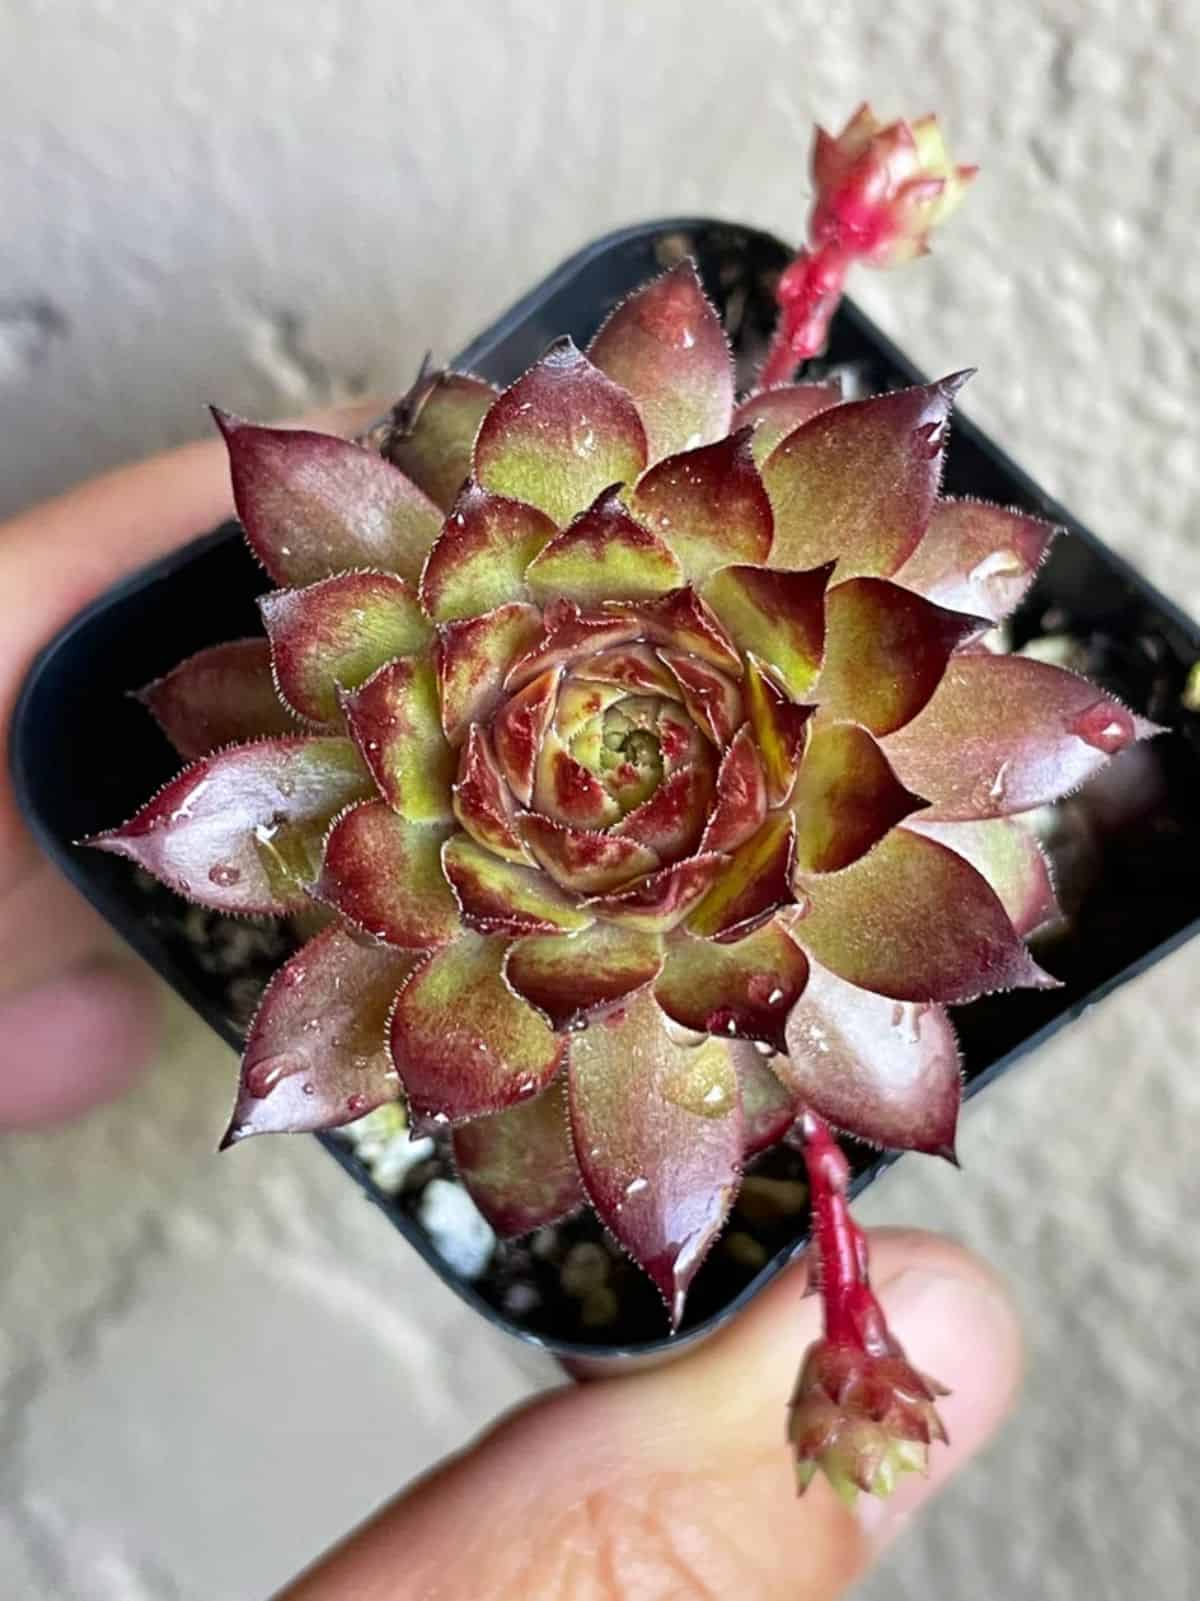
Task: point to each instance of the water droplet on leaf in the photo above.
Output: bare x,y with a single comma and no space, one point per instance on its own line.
1105,726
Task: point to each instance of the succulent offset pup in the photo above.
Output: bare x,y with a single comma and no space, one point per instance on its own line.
644,750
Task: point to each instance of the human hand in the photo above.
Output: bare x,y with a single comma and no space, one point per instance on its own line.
675,1484
77,1017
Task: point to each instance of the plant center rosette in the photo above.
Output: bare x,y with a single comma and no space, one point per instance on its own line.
643,751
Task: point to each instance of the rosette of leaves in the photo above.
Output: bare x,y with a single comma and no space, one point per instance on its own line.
642,749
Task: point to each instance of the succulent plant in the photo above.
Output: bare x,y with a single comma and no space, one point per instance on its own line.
644,750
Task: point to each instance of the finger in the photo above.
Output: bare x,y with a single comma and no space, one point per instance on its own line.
76,1040
57,557
676,1483
45,927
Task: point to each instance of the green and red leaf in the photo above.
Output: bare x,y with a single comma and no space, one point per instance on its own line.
753,883
1003,734
482,800
434,432
885,652
913,921
708,505
570,635
395,721
768,1109
502,897
659,903
658,1135
335,633
603,554
857,483
670,822
474,655
313,505
316,1055
775,413
885,1071
711,696
977,558
479,558
636,668
632,668
520,728
581,704
581,860
1010,858
567,791
225,695
742,991
682,621
741,795
559,435
665,346
242,830
570,978
780,730
383,874
846,798
463,1042
519,1166
778,616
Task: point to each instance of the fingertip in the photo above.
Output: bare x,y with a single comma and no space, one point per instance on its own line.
74,1042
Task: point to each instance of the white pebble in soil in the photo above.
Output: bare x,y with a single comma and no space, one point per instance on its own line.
381,1142
461,1237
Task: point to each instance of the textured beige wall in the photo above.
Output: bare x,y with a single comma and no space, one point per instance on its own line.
209,1368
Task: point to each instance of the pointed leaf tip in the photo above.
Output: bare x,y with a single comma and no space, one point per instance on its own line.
559,435
709,505
224,695
894,921
604,554
978,558
242,830
434,431
1003,734
857,482
666,347
316,1055
658,1130
479,559
313,504
885,652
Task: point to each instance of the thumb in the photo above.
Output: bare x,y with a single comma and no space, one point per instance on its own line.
677,1482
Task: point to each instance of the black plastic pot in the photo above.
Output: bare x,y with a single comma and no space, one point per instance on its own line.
1137,898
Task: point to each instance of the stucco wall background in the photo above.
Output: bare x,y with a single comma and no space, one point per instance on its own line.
208,1369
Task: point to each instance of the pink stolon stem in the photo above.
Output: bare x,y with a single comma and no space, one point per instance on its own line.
808,293
853,1317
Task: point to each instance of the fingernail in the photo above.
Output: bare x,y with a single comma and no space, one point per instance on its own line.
963,1332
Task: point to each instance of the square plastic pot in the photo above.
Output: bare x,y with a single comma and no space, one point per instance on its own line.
85,756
